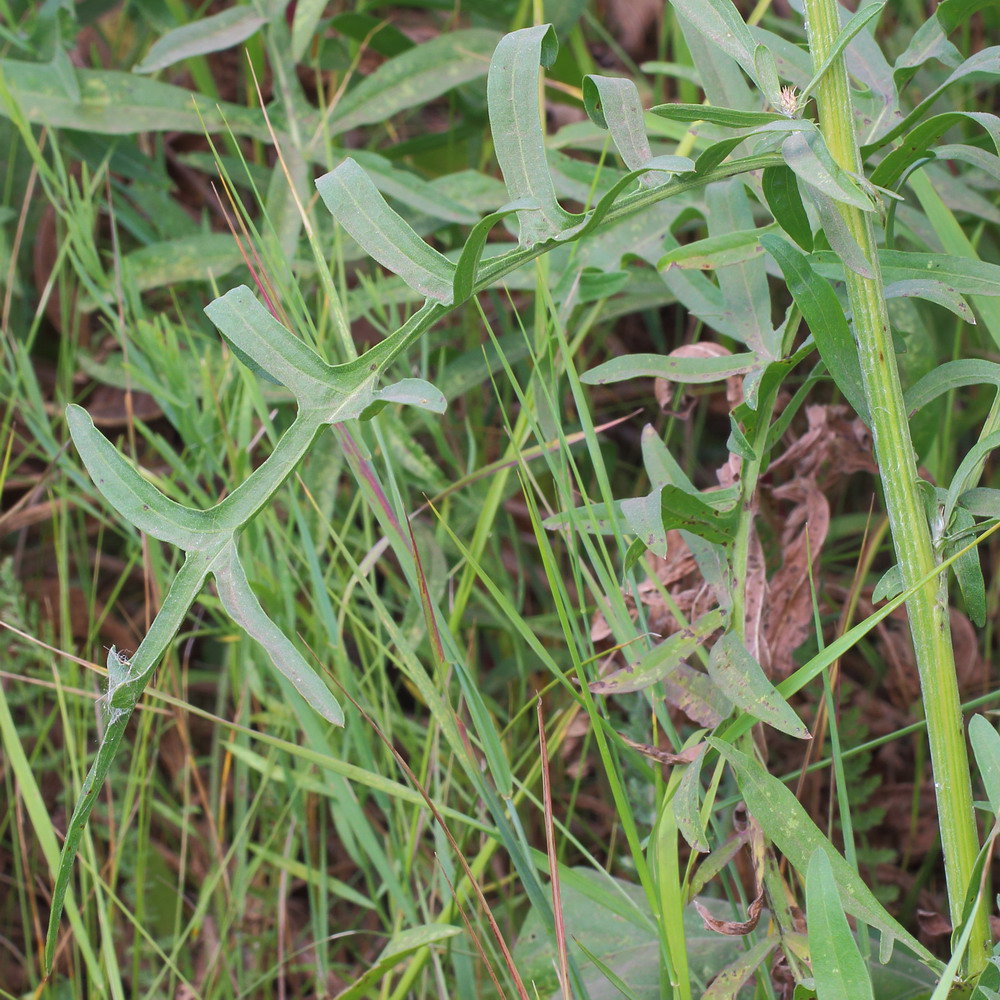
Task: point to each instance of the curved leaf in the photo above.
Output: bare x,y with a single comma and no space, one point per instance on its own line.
740,678
134,498
203,35
355,202
512,93
685,370
263,342
613,103
788,826
243,607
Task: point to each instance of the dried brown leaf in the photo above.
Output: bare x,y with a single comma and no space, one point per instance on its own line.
663,756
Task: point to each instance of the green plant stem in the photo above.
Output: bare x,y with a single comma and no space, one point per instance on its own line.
928,608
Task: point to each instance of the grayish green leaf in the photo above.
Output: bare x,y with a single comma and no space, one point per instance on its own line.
986,745
115,103
740,678
354,201
808,157
136,499
684,370
655,664
243,607
820,308
613,103
203,35
512,90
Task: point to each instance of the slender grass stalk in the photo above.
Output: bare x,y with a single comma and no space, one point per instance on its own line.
928,608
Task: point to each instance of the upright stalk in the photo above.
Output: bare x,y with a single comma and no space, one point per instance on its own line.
928,608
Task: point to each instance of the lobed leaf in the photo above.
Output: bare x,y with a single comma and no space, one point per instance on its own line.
654,665
136,499
354,201
781,192
243,607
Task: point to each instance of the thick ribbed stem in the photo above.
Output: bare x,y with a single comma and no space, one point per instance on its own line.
928,608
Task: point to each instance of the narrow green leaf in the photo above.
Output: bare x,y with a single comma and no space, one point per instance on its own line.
845,247
838,969
243,607
203,35
781,191
973,459
788,826
932,291
687,805
354,201
614,104
720,22
411,190
472,251
136,499
718,151
967,567
806,154
654,665
684,370
948,377
716,251
729,117
740,678
818,304
986,745
958,274
921,139
263,342
304,23
381,36
518,140
984,62
414,78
